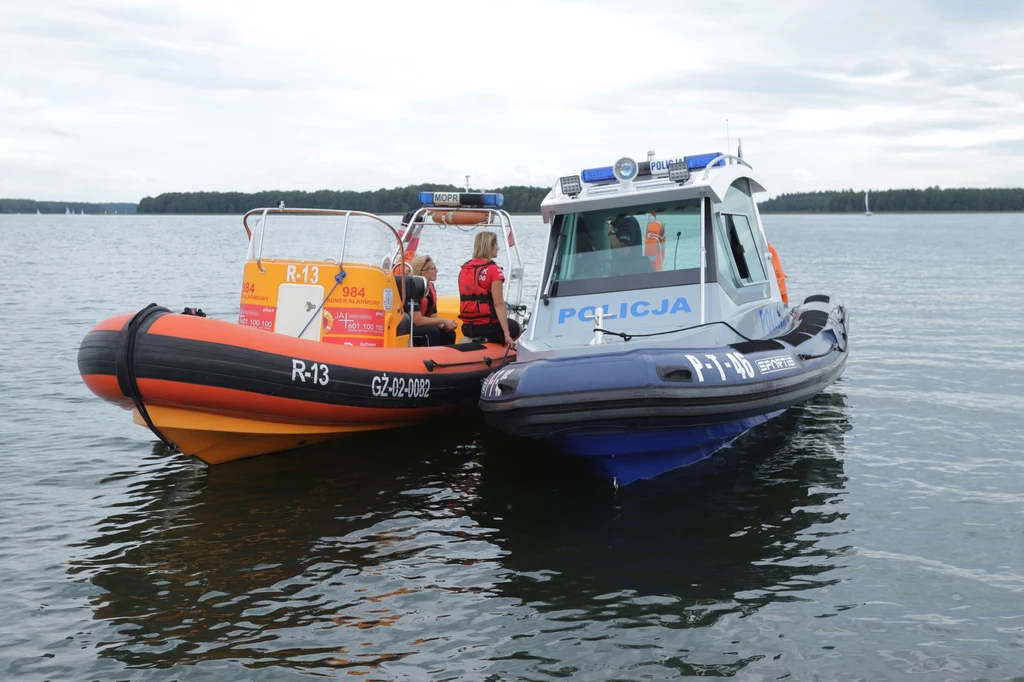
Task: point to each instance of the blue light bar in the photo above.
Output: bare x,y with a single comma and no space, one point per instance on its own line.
699,161
598,174
462,199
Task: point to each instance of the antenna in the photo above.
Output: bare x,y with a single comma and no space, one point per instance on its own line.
467,183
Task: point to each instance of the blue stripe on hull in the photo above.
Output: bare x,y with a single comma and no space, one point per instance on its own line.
631,456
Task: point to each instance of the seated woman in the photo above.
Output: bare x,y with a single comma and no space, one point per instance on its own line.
437,330
481,298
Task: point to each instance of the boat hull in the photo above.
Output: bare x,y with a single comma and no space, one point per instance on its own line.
638,413
221,391
631,455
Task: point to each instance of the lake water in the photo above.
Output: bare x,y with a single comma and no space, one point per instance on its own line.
876,533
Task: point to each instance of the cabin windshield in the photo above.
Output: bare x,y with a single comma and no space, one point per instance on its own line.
637,247
298,236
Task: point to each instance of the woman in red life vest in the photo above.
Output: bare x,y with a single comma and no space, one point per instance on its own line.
438,330
481,299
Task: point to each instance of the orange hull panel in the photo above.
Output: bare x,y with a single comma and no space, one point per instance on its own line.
216,439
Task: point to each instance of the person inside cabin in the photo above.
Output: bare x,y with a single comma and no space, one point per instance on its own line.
481,298
625,238
437,330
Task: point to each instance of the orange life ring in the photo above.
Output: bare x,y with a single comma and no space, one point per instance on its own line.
460,217
780,276
654,244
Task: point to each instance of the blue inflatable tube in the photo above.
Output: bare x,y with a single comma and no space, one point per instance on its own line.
636,413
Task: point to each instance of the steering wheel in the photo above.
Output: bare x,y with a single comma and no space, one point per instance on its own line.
595,268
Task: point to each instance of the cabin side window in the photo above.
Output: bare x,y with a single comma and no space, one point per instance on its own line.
740,243
739,249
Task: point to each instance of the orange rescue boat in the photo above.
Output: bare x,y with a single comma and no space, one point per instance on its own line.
321,348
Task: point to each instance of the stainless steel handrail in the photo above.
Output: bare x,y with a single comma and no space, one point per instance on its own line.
496,218
727,157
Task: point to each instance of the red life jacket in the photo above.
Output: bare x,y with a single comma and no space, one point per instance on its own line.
476,305
428,304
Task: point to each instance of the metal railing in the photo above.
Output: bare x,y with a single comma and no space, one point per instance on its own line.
496,218
261,227
730,159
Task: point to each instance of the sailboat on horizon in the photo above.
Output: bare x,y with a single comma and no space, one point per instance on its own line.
867,210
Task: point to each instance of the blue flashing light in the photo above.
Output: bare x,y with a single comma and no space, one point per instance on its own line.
699,161
493,199
462,199
598,174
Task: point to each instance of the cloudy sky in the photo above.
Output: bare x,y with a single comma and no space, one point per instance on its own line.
113,100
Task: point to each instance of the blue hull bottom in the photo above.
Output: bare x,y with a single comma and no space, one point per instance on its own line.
631,456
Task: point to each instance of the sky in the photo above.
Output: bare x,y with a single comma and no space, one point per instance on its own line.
114,100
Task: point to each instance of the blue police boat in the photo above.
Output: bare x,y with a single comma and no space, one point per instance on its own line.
662,328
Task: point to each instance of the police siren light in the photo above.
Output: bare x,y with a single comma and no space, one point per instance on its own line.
462,199
626,170
699,161
603,174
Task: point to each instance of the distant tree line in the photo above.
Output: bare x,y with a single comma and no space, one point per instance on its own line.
518,199
31,206
523,199
898,200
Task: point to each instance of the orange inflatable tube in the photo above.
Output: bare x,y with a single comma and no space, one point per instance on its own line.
222,391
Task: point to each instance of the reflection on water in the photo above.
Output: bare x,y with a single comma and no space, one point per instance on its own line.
395,550
743,524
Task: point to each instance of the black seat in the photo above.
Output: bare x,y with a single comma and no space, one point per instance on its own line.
415,290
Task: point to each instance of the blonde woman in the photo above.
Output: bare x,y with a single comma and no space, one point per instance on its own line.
481,298
438,330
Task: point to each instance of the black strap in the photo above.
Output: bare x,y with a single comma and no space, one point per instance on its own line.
431,364
124,366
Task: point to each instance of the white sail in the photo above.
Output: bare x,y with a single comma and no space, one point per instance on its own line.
867,209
